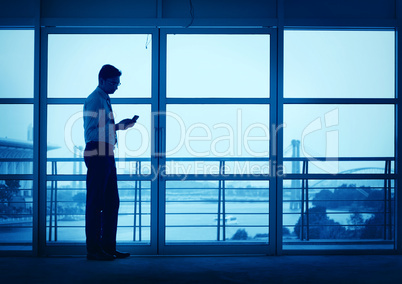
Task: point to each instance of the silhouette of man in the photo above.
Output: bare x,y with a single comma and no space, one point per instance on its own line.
102,204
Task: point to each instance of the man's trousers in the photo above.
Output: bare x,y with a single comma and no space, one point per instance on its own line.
102,204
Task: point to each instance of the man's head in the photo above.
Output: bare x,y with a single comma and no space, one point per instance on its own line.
109,78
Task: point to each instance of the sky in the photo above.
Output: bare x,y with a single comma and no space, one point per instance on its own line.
317,64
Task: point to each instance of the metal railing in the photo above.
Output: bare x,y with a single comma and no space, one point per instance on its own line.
388,201
222,176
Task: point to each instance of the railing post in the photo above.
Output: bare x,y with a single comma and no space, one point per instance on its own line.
390,237
51,205
55,204
307,205
139,205
53,196
223,204
219,204
302,204
387,203
135,203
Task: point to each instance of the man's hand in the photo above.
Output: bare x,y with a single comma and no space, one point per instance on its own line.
125,124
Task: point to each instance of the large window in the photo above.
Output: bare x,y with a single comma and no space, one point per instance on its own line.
74,61
16,139
217,188
347,139
222,159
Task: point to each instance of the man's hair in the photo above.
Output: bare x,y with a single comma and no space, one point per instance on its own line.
108,71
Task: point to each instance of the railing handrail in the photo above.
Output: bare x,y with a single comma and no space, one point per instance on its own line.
212,159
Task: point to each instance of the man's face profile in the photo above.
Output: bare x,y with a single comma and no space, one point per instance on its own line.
110,85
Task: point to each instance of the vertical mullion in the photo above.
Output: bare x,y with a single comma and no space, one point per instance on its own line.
274,206
36,119
398,129
42,144
154,145
398,161
278,126
161,124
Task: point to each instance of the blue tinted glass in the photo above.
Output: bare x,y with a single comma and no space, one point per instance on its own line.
339,64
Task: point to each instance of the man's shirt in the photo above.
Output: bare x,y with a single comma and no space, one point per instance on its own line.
99,122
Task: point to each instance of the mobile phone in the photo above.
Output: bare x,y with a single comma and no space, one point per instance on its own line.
135,117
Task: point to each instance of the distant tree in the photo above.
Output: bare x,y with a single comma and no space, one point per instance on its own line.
80,198
7,191
320,225
375,195
346,196
241,234
323,198
355,199
261,236
374,227
357,222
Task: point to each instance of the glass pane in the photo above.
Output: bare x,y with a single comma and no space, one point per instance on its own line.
332,131
339,209
16,139
17,63
66,211
339,64
16,157
16,212
65,214
220,66
66,139
74,60
193,207
199,138
135,211
136,141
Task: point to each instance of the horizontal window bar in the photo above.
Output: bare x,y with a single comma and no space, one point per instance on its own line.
81,101
16,101
364,101
218,101
339,176
16,176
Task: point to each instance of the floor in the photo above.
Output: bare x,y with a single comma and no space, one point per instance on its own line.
204,269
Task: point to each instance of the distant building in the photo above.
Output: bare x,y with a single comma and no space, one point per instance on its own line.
16,157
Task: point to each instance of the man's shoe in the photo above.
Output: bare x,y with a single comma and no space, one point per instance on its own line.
100,256
119,254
